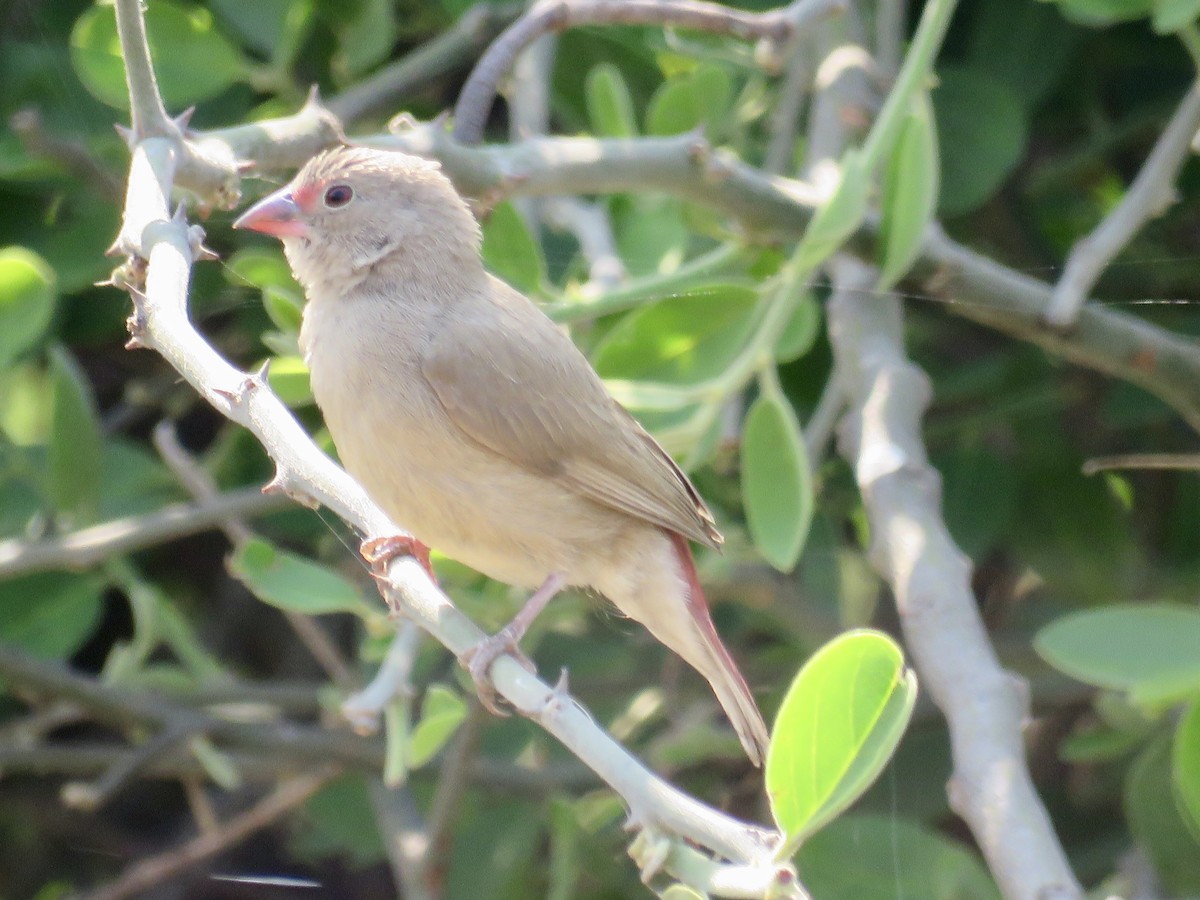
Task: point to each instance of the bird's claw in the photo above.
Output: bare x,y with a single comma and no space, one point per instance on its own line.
379,552
478,663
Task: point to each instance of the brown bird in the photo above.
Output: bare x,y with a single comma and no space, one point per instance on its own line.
475,423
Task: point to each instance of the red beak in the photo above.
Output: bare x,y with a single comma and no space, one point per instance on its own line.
276,215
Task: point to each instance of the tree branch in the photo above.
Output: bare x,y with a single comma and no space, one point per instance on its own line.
1151,192
163,248
90,546
984,705
552,16
147,873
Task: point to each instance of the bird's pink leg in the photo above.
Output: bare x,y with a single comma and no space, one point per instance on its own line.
478,660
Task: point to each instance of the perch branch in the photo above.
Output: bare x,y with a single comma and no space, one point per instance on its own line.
1151,192
162,248
552,16
984,705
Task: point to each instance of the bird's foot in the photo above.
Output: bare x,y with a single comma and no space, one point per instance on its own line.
478,662
379,552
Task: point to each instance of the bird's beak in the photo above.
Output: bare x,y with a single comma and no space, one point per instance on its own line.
276,215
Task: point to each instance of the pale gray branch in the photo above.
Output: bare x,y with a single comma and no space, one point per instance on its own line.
89,546
1151,192
985,706
551,16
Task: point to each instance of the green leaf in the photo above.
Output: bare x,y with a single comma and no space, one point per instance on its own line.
1171,15
75,466
339,820
982,132
260,25
192,60
50,614
1027,46
686,339
26,301
838,217
366,37
801,331
838,725
1152,651
776,481
441,714
284,307
288,377
1152,811
893,858
293,583
263,268
609,103
1185,766
979,497
686,101
910,189
510,251
652,237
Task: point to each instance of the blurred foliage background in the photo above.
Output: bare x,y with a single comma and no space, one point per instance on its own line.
1045,112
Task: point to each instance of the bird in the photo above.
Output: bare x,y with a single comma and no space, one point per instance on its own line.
474,422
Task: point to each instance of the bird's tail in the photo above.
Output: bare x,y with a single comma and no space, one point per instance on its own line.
708,656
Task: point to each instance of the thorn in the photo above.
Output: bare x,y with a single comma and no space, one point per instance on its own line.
184,119
441,121
562,687
230,396
110,281
134,344
401,122
275,485
264,372
180,213
313,99
204,253
114,249
698,147
242,166
126,134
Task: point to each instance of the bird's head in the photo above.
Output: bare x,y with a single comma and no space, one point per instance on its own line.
354,210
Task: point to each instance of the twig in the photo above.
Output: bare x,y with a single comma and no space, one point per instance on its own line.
91,546
890,31
1187,462
789,107
454,47
163,248
155,870
362,709
985,706
405,839
819,429
29,128
551,16
201,485
1151,192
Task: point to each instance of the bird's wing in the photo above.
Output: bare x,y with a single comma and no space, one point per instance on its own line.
517,385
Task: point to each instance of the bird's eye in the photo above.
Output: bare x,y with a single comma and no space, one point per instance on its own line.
338,195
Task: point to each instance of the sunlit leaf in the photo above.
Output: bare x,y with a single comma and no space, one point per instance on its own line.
288,377
510,251
839,216
910,190
441,714
838,725
1185,766
192,60
26,301
610,106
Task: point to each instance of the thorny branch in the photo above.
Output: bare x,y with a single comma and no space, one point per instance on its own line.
162,248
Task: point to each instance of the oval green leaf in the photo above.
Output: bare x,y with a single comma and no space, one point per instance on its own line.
839,217
609,103
801,330
686,339
441,714
982,132
510,251
1151,651
910,191
293,583
192,60
776,481
1155,822
1171,15
26,301
1185,767
75,467
839,723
